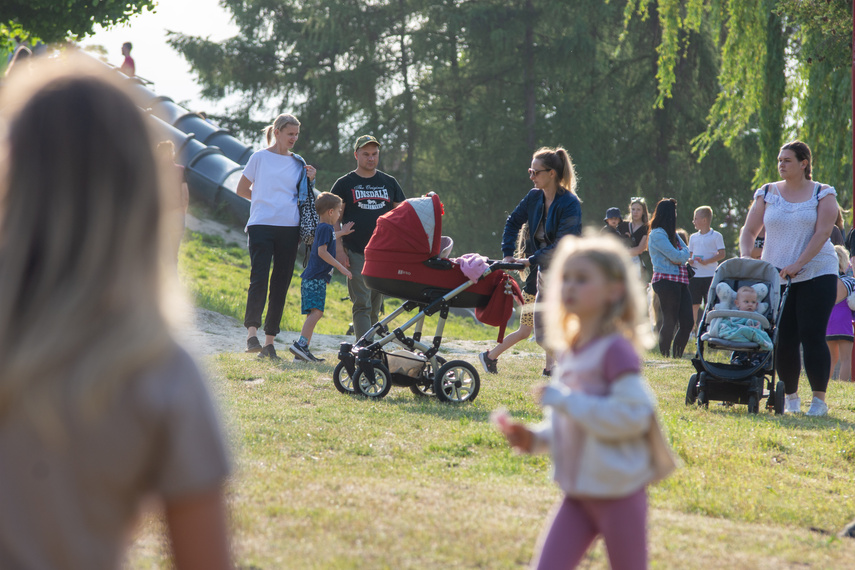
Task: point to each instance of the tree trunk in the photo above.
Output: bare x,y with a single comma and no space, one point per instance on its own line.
774,90
409,112
528,77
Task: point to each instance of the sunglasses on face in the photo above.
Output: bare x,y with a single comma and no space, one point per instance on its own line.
532,172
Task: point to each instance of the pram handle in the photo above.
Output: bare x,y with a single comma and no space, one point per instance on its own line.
499,264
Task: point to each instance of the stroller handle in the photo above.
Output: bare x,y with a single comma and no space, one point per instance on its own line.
498,264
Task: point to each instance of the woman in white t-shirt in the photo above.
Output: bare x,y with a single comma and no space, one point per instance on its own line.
272,180
798,214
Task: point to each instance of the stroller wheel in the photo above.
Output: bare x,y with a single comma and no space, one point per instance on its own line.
692,390
342,380
425,386
779,398
456,381
376,387
753,404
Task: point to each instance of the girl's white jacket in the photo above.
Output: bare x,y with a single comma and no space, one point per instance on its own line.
622,446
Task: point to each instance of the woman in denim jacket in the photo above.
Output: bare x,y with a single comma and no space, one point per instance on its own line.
670,282
552,210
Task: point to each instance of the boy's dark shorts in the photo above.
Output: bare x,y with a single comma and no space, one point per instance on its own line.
314,295
698,287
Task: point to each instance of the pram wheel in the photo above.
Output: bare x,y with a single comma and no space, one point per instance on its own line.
376,387
753,404
342,380
692,390
425,387
779,398
456,381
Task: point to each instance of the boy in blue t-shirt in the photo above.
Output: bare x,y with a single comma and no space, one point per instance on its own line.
319,271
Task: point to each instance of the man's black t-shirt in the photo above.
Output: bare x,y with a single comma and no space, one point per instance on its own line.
365,200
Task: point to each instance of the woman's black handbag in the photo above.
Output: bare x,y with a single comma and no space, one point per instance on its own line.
690,270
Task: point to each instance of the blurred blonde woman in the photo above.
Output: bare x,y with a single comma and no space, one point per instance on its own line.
99,407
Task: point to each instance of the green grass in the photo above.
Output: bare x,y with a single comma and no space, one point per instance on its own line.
327,481
217,276
324,480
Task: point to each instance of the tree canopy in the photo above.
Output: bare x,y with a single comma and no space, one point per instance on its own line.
785,73
54,21
461,92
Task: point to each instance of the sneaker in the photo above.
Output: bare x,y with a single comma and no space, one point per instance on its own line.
817,408
313,357
793,405
547,372
302,352
268,352
252,344
488,363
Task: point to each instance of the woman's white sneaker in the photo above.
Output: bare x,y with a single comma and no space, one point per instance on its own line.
792,405
817,408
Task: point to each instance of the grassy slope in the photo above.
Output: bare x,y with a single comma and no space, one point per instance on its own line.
328,481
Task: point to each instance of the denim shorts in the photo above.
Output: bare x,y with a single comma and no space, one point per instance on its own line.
314,295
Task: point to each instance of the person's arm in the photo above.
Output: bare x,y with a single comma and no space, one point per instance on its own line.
197,531
185,197
338,188
752,227
243,188
343,229
625,412
714,259
570,223
512,229
640,248
324,254
660,242
826,214
340,253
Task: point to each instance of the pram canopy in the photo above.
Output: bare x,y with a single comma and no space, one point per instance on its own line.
403,241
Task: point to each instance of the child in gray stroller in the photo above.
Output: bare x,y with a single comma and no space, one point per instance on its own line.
741,316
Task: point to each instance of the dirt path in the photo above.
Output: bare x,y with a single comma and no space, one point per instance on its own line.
213,333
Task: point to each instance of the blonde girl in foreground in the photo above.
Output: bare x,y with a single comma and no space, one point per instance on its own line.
99,407
600,417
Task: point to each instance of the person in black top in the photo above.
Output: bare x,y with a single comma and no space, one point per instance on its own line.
367,194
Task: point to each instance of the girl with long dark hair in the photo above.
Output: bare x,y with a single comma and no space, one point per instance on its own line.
669,254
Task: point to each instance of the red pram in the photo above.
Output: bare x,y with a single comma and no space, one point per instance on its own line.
407,258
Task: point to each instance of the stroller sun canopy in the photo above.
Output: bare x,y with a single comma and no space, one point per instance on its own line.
410,232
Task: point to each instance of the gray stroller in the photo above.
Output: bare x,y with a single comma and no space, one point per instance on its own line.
750,375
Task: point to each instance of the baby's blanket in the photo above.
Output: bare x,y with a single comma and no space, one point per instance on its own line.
744,330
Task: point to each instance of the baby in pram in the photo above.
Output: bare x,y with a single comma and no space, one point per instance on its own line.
744,329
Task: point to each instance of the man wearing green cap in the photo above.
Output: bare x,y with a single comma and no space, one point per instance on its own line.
367,194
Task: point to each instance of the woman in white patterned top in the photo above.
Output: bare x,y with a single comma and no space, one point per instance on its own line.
798,214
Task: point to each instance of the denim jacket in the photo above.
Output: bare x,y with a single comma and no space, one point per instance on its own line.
564,217
304,184
663,254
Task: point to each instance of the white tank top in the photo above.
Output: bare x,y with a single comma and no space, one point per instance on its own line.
789,227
